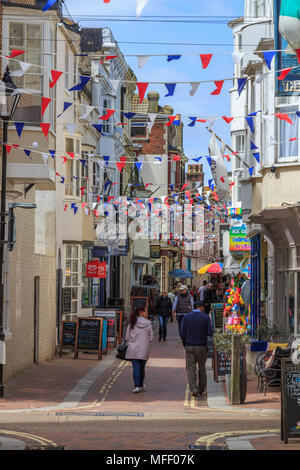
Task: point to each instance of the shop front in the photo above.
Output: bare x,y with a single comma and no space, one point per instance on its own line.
281,226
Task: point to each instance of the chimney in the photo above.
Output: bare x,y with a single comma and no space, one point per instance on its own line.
153,98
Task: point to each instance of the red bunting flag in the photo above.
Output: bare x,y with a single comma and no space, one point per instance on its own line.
45,128
142,87
298,54
120,166
8,148
227,157
219,84
66,207
201,120
65,159
188,194
234,153
71,154
109,113
45,103
106,1
283,117
148,184
222,179
110,198
108,57
55,74
205,59
175,158
227,119
184,186
171,120
292,140
14,53
230,187
284,73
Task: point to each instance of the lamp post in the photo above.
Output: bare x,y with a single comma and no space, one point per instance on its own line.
8,105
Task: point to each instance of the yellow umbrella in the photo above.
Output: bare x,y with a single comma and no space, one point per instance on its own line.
204,269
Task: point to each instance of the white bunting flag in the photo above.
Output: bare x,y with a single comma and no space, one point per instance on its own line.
87,111
195,86
115,85
24,67
142,60
71,128
237,57
261,77
45,157
140,5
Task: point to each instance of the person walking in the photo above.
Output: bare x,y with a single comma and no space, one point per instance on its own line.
139,335
164,311
208,298
183,304
194,330
202,291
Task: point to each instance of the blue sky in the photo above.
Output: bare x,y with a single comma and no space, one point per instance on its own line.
187,68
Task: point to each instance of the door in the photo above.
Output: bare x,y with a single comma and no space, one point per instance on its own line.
36,319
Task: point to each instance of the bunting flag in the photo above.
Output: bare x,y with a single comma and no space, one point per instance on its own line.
227,157
197,159
253,146
227,119
237,57
249,120
298,55
171,120
193,121
138,165
45,103
24,67
109,113
106,158
261,77
120,166
64,159
45,128
194,88
108,57
209,160
283,117
52,153
173,57
19,127
241,84
48,5
115,85
256,156
205,59
175,158
158,158
83,162
284,73
219,85
83,81
268,55
88,110
142,87
28,152
55,74
184,186
14,53
45,157
98,127
66,106
170,88
71,128
71,154
128,115
142,60
140,5
251,170
8,148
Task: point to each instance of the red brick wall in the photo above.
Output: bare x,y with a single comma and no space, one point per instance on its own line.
156,143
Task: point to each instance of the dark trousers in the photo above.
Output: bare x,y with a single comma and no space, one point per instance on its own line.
196,355
163,321
138,366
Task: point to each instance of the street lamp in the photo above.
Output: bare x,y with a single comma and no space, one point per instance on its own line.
8,105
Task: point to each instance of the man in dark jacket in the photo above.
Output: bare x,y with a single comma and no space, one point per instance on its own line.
164,311
194,330
183,304
208,298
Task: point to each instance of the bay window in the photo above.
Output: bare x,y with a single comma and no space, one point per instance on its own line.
72,168
72,274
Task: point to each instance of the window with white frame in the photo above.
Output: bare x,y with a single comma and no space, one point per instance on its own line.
67,68
96,179
28,37
72,167
288,148
107,125
72,274
84,174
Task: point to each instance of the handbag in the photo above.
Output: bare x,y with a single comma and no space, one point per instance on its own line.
122,349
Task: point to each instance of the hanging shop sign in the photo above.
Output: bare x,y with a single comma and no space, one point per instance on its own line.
155,251
287,34
238,238
96,269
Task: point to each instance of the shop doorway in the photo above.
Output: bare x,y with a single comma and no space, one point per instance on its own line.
36,319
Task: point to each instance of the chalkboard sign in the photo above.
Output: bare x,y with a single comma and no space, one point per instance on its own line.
68,335
67,299
290,400
111,316
89,336
217,315
222,364
139,302
210,346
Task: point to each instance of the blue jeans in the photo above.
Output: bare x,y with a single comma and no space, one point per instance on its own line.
163,321
138,366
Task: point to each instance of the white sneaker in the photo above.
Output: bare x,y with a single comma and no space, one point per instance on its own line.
136,390
142,388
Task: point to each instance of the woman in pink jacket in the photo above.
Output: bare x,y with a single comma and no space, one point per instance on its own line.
139,336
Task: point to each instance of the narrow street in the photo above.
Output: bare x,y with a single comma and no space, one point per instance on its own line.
109,416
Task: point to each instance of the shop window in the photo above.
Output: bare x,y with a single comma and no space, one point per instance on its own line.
72,168
90,286
288,149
